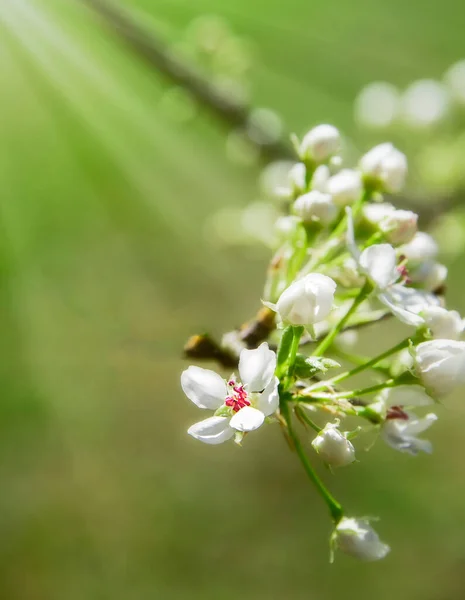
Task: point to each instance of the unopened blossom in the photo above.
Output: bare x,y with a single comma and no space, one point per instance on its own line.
374,213
320,178
420,249
297,175
430,275
399,226
316,206
379,264
306,301
239,406
358,538
402,426
346,187
385,167
443,324
320,143
333,446
440,365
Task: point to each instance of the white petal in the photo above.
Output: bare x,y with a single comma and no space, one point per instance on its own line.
257,367
205,388
379,261
247,419
404,315
416,425
406,395
268,400
214,430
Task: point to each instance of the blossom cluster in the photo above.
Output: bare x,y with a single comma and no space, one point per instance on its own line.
346,258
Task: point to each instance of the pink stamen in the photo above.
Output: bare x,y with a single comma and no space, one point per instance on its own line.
238,398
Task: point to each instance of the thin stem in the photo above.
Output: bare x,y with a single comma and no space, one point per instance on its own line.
335,508
329,339
302,416
297,334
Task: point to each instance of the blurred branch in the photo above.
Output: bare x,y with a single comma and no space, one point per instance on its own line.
158,55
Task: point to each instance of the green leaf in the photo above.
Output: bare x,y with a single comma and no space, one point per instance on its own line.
307,367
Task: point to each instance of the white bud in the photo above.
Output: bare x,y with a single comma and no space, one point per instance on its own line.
430,275
345,187
424,103
399,226
296,178
286,226
375,213
357,538
420,249
348,274
333,446
444,324
316,206
307,301
440,365
320,178
386,166
320,143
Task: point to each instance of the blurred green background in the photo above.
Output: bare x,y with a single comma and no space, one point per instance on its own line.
105,271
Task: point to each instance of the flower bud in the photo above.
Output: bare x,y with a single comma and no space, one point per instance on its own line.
286,226
375,213
345,187
440,365
399,226
296,177
385,166
307,301
333,446
420,249
320,143
316,206
357,538
430,275
444,324
320,178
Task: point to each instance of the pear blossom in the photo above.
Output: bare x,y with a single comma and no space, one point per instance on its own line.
297,175
401,426
385,166
375,213
443,324
430,275
357,538
316,206
333,446
345,187
307,301
440,365
320,178
420,249
240,407
320,143
379,264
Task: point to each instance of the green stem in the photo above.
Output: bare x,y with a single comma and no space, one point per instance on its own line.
297,331
302,415
335,508
329,339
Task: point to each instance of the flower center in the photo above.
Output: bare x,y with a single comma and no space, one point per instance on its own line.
403,270
237,397
397,412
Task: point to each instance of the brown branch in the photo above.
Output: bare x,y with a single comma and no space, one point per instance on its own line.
158,56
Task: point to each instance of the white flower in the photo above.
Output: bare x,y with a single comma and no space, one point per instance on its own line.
444,324
385,166
399,226
241,407
320,143
402,426
379,264
357,538
316,206
440,365
333,446
345,187
420,249
286,226
306,301
375,213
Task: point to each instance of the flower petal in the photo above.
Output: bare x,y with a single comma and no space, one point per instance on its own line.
214,430
404,315
268,400
257,367
247,419
205,388
406,395
379,262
